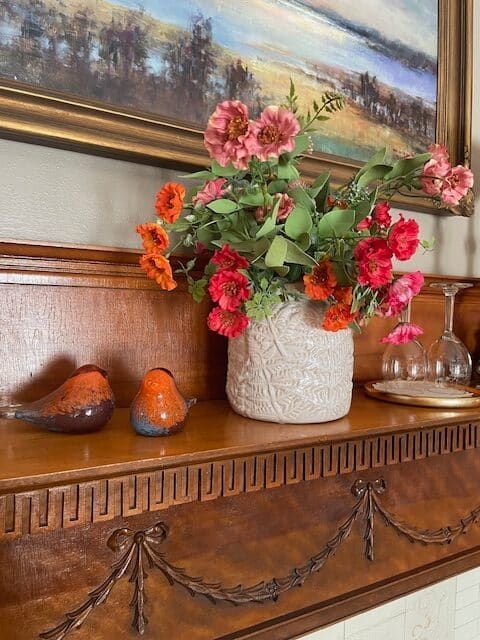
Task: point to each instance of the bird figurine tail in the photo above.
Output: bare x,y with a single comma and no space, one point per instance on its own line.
83,403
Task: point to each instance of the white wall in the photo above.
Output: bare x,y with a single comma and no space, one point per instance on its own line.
449,610
61,196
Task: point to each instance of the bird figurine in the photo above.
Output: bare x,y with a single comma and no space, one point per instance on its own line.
159,409
83,403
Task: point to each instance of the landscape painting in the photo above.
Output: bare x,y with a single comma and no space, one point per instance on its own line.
177,59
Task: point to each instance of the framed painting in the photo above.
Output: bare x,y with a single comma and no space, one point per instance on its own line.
138,80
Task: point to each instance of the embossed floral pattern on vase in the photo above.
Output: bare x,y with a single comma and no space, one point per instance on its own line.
286,368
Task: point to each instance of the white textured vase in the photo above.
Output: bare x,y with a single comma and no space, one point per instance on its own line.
286,368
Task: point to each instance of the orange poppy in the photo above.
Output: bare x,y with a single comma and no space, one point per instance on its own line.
154,237
338,317
158,268
343,295
321,282
169,202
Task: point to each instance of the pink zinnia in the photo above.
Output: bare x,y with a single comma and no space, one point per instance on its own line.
439,152
212,190
401,292
374,260
228,259
456,185
402,333
381,214
433,174
227,323
229,289
273,133
227,133
403,238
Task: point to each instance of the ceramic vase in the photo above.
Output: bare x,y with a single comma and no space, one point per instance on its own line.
288,369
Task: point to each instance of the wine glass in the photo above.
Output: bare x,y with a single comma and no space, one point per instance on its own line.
448,358
404,361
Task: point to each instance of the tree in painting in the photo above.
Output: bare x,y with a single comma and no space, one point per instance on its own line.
178,60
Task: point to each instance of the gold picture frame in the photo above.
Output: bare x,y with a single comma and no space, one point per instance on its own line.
66,121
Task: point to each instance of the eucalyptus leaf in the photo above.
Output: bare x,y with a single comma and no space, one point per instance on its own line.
253,199
277,186
200,175
377,172
301,197
407,165
336,222
298,222
205,235
302,143
364,209
318,184
224,172
277,252
270,221
295,255
286,170
377,158
222,206
282,271
304,241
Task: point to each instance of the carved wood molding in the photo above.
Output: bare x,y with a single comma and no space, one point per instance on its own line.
140,550
61,507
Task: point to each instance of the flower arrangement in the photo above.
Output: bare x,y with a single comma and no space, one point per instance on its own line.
264,229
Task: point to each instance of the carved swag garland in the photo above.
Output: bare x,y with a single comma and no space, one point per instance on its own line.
140,550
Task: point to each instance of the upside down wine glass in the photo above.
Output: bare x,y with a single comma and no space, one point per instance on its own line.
448,358
407,361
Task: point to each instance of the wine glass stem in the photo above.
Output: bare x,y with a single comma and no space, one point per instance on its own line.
449,308
405,314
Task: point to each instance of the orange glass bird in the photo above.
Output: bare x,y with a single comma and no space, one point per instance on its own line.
83,403
159,409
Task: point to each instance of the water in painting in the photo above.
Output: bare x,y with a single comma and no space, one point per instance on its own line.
177,59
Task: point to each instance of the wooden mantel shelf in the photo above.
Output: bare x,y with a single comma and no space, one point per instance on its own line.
31,457
52,481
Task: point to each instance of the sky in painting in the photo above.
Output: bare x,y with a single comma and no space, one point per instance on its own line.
290,32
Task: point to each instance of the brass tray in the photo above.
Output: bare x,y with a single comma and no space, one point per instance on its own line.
470,402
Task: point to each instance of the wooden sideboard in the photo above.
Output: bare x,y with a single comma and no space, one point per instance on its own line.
114,529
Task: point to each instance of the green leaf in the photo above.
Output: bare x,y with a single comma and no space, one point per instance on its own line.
302,198
222,206
197,289
270,221
377,172
277,252
364,209
407,165
302,142
304,241
205,235
253,199
286,170
282,271
277,186
224,172
200,175
336,222
377,158
298,222
318,184
295,255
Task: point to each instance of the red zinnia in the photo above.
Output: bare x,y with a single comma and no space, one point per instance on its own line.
343,295
374,259
229,260
381,214
321,282
229,289
403,238
227,323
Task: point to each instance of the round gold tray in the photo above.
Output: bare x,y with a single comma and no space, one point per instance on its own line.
470,402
